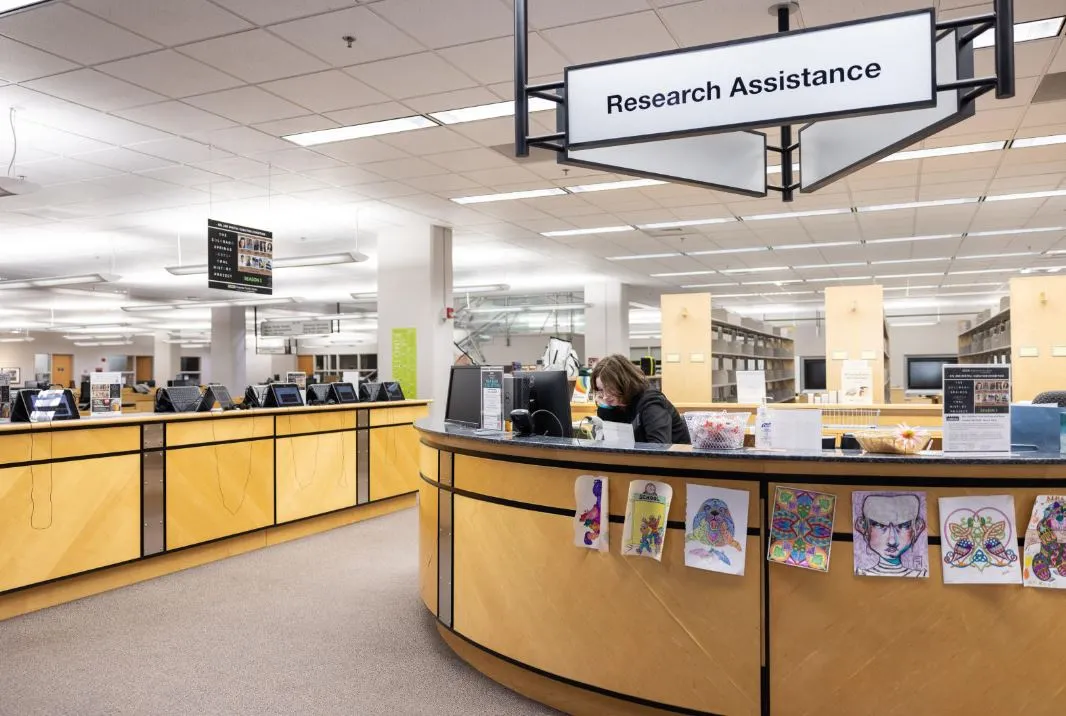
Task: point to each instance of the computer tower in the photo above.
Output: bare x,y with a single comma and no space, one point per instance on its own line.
515,393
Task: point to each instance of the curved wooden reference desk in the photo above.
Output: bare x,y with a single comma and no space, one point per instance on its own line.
93,504
597,633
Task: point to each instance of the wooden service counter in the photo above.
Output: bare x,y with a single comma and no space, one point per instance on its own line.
93,504
889,414
596,633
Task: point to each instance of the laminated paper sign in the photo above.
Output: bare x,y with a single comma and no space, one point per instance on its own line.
1045,544
592,517
801,528
891,534
645,527
716,528
979,540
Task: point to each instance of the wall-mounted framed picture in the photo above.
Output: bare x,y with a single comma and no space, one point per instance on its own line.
14,375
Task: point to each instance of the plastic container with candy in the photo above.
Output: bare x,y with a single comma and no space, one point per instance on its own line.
717,431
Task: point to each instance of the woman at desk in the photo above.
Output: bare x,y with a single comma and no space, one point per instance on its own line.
624,396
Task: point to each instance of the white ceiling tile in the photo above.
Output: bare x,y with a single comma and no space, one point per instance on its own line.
33,136
68,32
165,21
1030,59
124,160
471,97
171,74
702,23
344,176
444,183
488,132
181,150
375,39
326,91
299,160
1045,113
176,117
553,13
19,62
94,89
63,169
386,190
405,168
612,38
286,183
254,56
371,113
426,141
103,127
247,105
411,76
362,151
493,60
237,167
296,125
268,13
989,120
183,176
503,176
229,190
505,90
243,140
442,24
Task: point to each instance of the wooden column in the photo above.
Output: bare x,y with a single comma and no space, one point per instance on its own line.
855,330
1038,331
686,347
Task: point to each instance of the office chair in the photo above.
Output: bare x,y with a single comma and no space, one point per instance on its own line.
1048,397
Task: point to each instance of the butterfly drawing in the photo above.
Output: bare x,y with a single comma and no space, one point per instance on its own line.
977,540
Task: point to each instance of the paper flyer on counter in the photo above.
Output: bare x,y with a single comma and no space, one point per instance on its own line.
646,512
105,392
591,516
751,386
977,408
716,528
856,382
492,398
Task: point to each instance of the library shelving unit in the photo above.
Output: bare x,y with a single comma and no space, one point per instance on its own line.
751,346
988,341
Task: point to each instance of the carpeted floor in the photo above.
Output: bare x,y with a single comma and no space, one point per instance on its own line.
330,624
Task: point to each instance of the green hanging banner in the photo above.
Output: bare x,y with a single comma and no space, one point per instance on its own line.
405,359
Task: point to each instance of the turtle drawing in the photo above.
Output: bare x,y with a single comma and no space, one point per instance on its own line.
1052,532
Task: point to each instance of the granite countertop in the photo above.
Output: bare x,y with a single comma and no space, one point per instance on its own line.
441,428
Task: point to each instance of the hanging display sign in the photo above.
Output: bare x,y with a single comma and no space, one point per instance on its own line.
876,65
105,394
239,258
977,408
288,329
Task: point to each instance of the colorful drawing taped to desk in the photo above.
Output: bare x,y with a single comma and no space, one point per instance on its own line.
716,528
591,518
1045,544
646,510
891,539
801,528
979,540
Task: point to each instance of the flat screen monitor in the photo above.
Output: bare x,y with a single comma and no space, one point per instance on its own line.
926,372
216,394
84,393
814,374
283,395
343,393
464,396
25,403
549,403
393,390
178,399
318,394
372,393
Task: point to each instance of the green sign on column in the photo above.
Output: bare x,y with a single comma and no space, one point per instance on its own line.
405,360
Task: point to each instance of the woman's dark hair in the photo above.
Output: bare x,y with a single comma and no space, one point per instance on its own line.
619,376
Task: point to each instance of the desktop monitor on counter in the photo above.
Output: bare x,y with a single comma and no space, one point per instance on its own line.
393,390
813,375
343,393
925,374
464,396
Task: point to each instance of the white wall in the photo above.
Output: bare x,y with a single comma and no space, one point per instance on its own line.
941,339
86,360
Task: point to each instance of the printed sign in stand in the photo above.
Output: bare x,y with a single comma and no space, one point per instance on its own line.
856,382
977,408
239,258
751,386
105,394
492,398
5,397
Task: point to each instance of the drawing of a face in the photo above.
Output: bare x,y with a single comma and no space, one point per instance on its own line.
891,525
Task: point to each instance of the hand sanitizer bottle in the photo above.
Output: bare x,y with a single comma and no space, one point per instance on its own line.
762,426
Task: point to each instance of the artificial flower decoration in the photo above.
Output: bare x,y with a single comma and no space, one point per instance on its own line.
910,438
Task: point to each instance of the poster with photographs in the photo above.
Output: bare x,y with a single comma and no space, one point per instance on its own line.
105,393
977,408
239,258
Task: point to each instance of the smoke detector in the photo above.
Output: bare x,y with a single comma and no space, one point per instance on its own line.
17,186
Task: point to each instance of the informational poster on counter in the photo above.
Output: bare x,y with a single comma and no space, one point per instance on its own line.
239,258
5,397
751,386
492,398
105,394
856,382
977,408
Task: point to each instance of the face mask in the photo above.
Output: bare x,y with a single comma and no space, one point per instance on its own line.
608,412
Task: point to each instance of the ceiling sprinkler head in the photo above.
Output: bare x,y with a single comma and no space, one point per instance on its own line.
350,39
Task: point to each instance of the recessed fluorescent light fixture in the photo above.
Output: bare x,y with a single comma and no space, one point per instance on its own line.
797,214
360,131
909,275
53,281
508,196
585,232
716,252
908,288
970,272
909,261
757,269
904,239
636,257
489,111
1044,141
148,307
918,204
710,285
530,308
946,151
998,256
776,282
851,264
345,257
840,278
479,288
690,222
776,169
1027,195
1007,232
682,273
816,245
1023,32
610,185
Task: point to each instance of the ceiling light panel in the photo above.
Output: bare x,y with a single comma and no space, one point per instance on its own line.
360,131
717,252
1023,32
946,151
610,185
1038,141
917,204
584,232
489,111
509,196
682,224
796,214
637,257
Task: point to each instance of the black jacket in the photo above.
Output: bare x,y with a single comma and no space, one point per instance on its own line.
654,419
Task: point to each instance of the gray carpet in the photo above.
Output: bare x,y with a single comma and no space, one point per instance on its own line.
329,624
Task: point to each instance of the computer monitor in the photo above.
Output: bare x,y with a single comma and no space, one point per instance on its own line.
925,373
216,394
178,399
464,396
25,403
814,374
372,393
393,390
549,403
647,365
283,395
318,394
343,393
85,394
